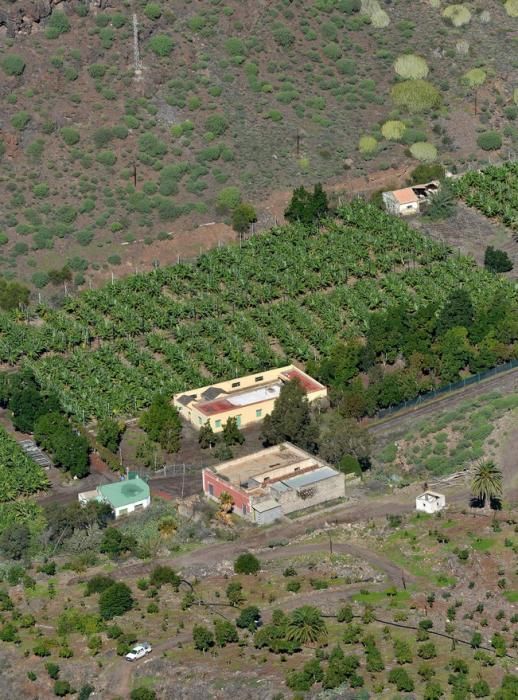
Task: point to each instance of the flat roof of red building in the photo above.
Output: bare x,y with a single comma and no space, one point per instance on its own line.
223,404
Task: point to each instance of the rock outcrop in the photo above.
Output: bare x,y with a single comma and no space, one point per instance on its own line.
23,16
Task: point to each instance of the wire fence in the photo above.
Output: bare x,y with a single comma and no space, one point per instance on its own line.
422,398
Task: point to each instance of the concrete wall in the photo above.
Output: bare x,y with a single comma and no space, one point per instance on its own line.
432,506
138,506
247,415
325,490
268,516
219,486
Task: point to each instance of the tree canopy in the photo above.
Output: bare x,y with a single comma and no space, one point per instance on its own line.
291,419
162,423
307,207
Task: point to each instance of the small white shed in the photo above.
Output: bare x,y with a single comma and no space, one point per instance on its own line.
408,200
430,502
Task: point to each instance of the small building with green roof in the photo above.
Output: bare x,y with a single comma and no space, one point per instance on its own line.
127,496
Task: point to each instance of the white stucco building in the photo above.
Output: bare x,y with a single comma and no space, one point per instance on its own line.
430,502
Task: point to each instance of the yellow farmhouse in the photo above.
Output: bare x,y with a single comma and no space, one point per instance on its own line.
247,399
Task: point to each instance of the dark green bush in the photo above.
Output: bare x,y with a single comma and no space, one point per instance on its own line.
247,563
497,260
115,600
490,141
98,584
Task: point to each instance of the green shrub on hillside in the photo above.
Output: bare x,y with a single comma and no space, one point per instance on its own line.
153,11
107,158
70,136
367,144
217,124
426,173
115,600
497,260
416,95
13,64
97,70
161,44
228,199
57,24
20,120
490,141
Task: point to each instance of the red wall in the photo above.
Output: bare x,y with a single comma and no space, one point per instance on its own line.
219,485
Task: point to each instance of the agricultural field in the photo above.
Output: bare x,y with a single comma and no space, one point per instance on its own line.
494,192
290,294
19,475
103,168
399,606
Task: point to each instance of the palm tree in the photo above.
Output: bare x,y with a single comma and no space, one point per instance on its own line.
306,626
486,485
226,505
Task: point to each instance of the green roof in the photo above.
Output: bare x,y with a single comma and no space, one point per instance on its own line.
124,493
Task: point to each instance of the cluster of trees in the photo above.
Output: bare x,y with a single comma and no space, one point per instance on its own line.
432,345
225,632
22,394
18,540
338,439
223,441
69,449
307,207
37,411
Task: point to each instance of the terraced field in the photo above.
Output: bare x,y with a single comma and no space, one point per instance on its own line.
289,294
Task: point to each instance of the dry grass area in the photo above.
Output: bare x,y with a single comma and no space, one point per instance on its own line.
101,167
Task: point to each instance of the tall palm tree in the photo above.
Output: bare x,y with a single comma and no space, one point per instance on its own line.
306,626
486,485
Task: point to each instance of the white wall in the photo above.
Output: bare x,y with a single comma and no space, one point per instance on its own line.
139,505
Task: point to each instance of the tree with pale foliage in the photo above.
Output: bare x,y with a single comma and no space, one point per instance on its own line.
226,505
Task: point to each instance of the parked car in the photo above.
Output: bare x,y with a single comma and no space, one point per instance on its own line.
139,651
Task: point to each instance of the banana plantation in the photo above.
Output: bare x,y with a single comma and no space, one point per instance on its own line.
19,475
290,294
493,191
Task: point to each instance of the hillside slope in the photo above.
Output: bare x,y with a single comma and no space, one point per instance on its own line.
250,95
